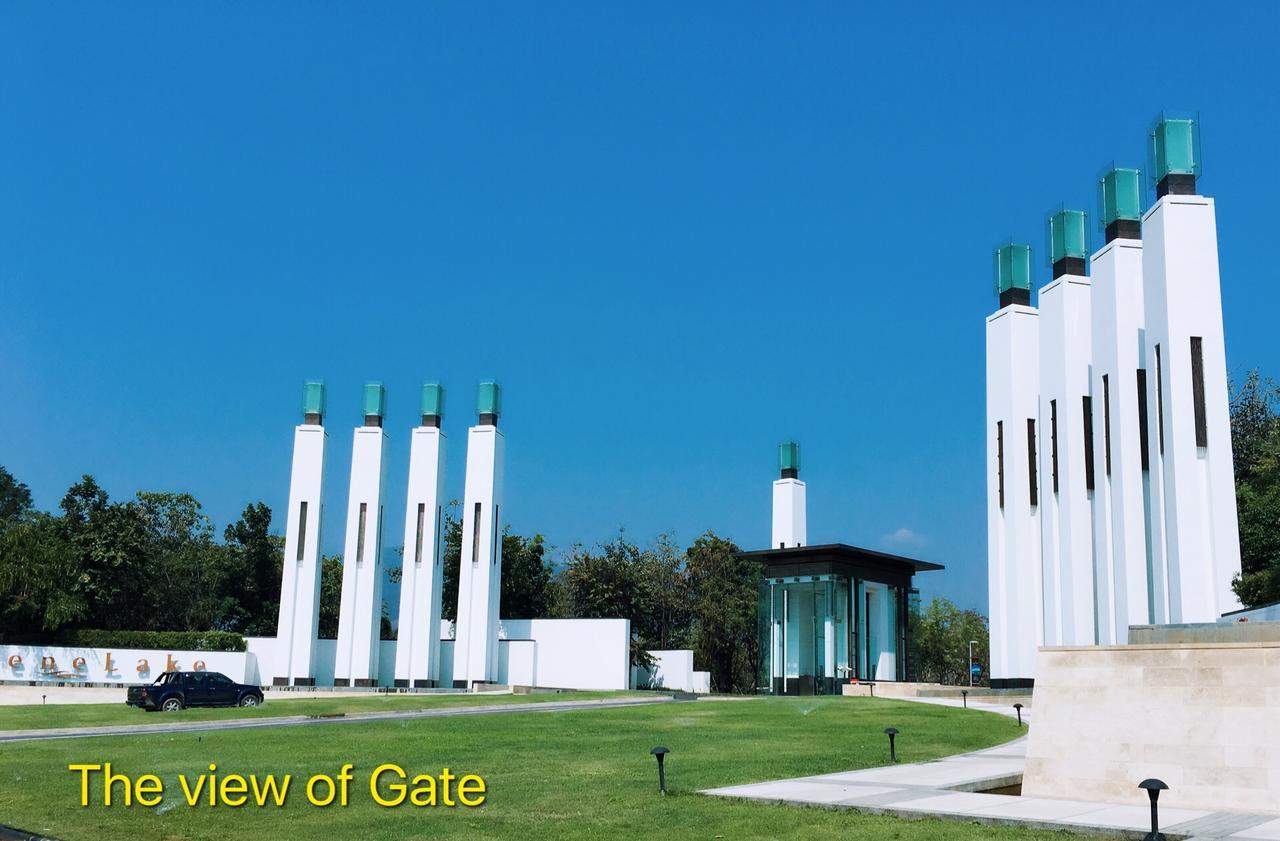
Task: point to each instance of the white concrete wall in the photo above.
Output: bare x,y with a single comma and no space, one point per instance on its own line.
1121,548
578,653
672,669
360,616
1013,536
1183,299
790,520
1066,518
300,582
1201,717
480,576
517,662
117,665
417,658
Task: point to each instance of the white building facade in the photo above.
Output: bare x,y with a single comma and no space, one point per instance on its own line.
1133,500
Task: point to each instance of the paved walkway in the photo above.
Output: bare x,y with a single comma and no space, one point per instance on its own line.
299,720
951,789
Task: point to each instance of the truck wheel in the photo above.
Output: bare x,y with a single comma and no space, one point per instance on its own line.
171,705
249,701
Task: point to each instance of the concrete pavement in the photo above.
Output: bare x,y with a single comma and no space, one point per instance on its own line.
302,720
953,789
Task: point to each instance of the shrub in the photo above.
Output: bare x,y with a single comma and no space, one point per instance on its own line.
166,640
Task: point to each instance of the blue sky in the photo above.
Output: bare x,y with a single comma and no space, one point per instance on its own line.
676,233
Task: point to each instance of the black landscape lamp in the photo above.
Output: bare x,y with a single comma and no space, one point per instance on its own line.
661,753
964,694
1018,707
1154,787
891,732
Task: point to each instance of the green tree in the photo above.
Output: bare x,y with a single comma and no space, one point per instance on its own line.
1255,439
38,578
526,577
666,612
259,559
330,596
724,589
940,635
108,541
15,498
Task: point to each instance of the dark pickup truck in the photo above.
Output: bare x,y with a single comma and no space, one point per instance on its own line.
173,691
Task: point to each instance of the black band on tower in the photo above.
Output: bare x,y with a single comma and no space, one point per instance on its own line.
1069,265
1176,184
487,419
1124,229
1014,295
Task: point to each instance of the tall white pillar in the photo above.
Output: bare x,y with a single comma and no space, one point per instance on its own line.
1071,579
1013,529
475,648
790,526
360,619
1191,455
299,620
418,635
1121,457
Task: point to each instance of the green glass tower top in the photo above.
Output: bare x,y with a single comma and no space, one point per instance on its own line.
313,401
375,401
1175,147
1068,236
1120,195
789,459
432,400
489,401
1013,267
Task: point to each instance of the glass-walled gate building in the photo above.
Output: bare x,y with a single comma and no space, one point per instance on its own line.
829,614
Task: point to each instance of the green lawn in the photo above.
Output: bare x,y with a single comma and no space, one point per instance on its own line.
565,775
40,717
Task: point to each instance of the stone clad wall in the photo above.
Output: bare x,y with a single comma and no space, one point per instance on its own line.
1205,718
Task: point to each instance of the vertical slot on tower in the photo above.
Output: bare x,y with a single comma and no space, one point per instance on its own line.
1053,441
1160,400
1000,459
302,529
493,550
1142,418
1088,441
1106,421
439,538
475,536
417,546
1031,459
360,534
1197,390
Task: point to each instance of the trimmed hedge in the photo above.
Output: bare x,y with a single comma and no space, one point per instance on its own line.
167,640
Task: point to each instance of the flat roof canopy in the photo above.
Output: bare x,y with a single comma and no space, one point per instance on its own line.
840,559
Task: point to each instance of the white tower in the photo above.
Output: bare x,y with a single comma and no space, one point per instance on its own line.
418,646
1013,529
790,527
1122,495
1066,441
300,582
475,649
1191,458
360,619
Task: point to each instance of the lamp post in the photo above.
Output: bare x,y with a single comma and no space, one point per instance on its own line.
661,752
891,732
972,643
1018,707
964,693
1153,788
